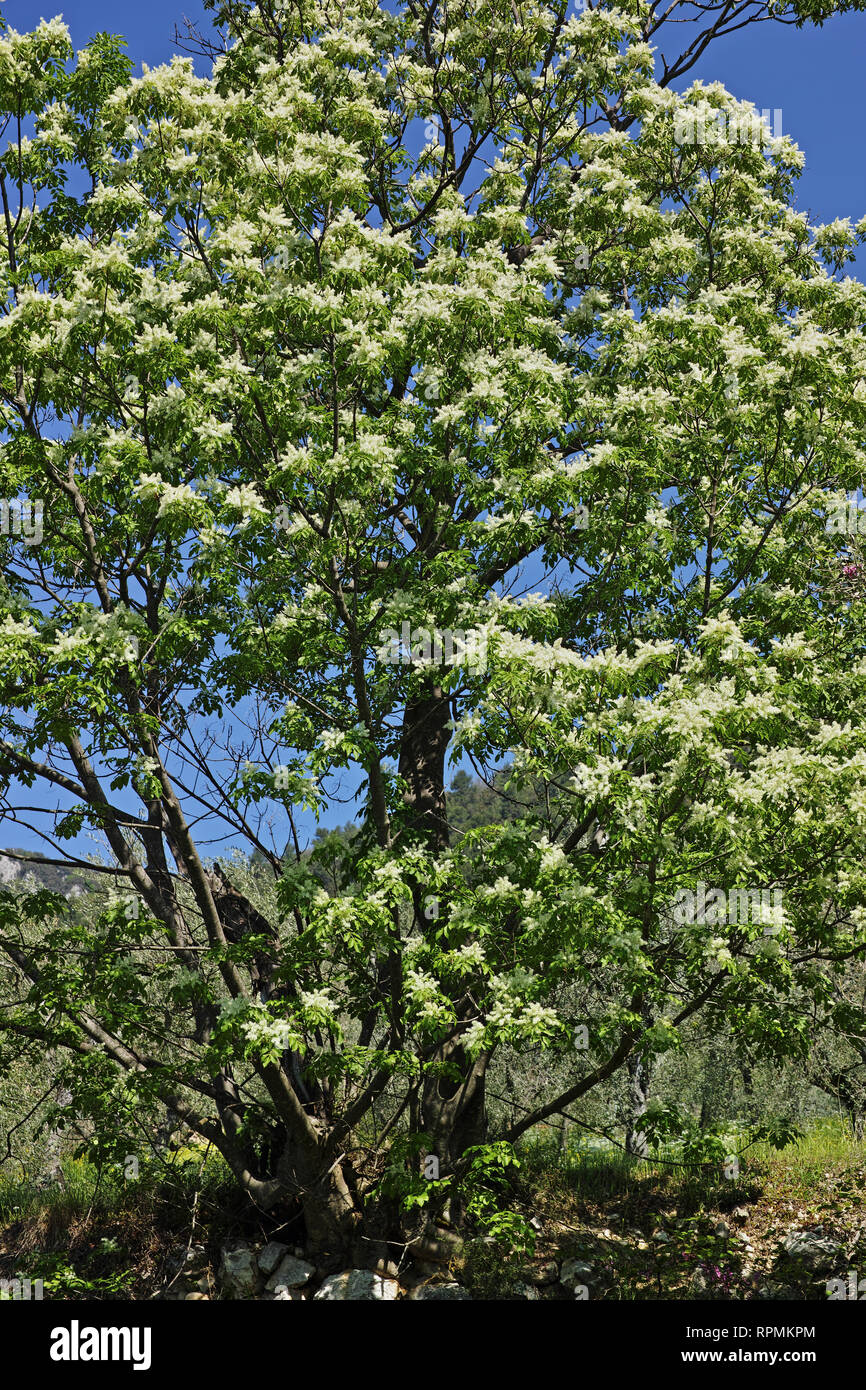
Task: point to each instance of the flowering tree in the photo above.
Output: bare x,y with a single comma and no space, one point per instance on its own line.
360,450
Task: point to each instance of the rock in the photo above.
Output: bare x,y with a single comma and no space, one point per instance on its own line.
575,1272
698,1282
722,1230
526,1291
811,1251
270,1256
426,1292
543,1274
740,1215
356,1284
440,1248
660,1236
289,1274
196,1297
238,1274
779,1293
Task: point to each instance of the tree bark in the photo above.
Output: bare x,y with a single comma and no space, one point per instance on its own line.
453,1109
423,746
639,1079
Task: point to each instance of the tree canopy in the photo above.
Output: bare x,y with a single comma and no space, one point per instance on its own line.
403,326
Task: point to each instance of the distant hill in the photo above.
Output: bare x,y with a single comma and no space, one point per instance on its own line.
70,882
471,804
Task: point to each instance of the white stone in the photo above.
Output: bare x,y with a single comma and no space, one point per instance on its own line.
238,1274
574,1272
356,1284
290,1274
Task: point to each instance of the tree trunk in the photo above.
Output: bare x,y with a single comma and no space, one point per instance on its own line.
423,746
453,1109
331,1213
639,1077
330,1217
454,1112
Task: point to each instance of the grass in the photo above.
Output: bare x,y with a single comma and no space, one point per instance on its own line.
98,1235
659,1230
648,1229
603,1173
